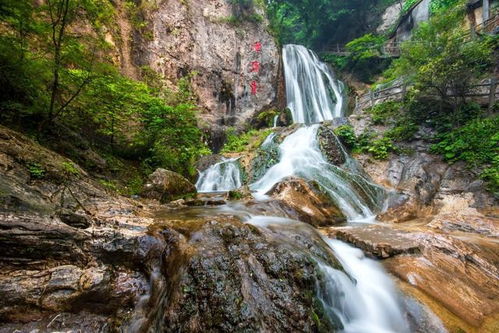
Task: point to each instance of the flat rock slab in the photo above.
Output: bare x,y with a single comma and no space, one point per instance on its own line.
376,240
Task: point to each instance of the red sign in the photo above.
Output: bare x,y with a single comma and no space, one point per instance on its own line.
257,47
255,66
254,87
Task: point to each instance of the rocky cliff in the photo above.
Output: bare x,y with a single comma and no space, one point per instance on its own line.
225,50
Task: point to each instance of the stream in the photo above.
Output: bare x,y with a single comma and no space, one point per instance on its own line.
362,297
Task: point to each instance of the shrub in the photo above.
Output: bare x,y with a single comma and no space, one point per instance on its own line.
476,143
346,135
380,148
382,113
245,141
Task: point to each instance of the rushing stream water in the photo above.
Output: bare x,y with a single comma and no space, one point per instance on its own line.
362,296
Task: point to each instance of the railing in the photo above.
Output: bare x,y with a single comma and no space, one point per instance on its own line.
397,92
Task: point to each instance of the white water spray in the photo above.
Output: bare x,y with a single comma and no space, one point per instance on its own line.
221,177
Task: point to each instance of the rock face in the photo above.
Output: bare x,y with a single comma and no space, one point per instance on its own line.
219,45
331,146
233,276
377,241
165,185
311,205
66,244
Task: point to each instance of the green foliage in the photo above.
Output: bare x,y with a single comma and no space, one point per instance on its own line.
476,143
346,135
366,47
402,131
338,61
380,148
235,195
70,169
441,62
36,170
438,6
267,117
245,141
408,4
365,59
71,82
39,53
321,22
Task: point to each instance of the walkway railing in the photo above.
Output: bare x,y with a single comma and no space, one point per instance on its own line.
488,88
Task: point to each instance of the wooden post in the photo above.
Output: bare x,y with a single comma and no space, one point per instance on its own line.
404,90
492,94
371,97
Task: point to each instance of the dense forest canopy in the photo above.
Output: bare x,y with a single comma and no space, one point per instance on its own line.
319,23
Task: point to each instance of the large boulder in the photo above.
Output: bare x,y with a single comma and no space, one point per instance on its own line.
165,185
312,206
224,275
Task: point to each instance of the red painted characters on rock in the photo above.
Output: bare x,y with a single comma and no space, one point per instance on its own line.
257,47
254,87
255,66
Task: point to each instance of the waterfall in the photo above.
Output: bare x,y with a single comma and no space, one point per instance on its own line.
313,95
363,298
221,177
312,92
300,156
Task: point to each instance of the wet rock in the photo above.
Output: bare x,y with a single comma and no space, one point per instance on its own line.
75,220
230,276
165,185
311,205
331,146
206,161
377,241
462,275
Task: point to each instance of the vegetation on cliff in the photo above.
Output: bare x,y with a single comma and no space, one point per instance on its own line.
57,75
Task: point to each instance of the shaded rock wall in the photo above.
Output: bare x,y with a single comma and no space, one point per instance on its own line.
206,39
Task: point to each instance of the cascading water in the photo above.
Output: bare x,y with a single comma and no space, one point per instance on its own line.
301,157
221,177
365,300
314,95
362,298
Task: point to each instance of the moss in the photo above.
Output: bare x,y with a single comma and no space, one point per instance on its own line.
36,170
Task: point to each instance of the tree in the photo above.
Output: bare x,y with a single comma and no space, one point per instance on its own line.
317,23
67,51
443,62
